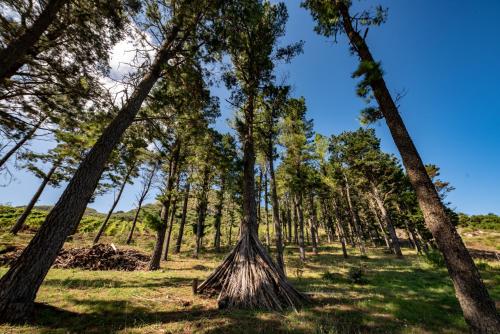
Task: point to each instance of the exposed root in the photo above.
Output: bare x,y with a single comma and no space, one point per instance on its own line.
249,279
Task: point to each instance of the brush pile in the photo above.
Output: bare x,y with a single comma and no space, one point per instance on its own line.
97,257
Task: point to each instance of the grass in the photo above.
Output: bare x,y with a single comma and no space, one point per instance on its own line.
395,296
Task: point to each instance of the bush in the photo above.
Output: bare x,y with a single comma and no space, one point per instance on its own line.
332,277
435,258
356,275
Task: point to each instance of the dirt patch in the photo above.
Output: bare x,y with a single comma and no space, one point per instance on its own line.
97,257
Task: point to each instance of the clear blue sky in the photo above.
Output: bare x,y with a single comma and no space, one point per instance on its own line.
444,54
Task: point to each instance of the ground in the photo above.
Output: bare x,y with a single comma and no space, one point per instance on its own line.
394,296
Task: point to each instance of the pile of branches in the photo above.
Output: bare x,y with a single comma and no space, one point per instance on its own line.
97,257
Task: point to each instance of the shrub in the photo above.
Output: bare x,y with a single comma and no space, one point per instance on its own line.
356,275
435,258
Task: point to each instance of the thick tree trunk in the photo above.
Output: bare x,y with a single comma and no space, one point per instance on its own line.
154,263
22,219
477,306
218,216
178,244
142,197
12,57
248,278
19,286
21,142
396,247
276,215
115,203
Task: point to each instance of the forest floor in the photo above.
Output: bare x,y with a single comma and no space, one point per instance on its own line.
395,296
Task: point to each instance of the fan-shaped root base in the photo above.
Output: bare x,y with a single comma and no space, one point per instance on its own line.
249,279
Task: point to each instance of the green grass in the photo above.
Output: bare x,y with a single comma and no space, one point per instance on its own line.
396,296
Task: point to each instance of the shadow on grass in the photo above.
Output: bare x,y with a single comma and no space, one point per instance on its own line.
92,283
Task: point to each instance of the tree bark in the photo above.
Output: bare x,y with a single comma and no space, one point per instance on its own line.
20,143
170,227
18,287
115,203
218,215
22,219
202,211
266,210
300,227
142,197
477,306
357,229
154,263
12,57
313,227
396,247
276,215
178,244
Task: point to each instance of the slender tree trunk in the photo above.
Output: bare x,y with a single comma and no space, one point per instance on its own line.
19,286
115,203
478,307
202,211
289,220
355,223
22,219
178,244
21,142
298,205
340,227
154,263
266,210
379,223
170,227
388,223
314,219
276,214
142,197
12,57
218,216
259,197
231,223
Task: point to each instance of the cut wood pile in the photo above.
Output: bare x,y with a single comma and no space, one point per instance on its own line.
97,257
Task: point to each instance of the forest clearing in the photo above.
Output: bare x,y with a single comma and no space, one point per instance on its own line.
257,166
412,295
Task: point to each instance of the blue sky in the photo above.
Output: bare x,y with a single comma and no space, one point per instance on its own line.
444,54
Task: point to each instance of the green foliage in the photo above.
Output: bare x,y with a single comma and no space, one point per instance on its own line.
152,220
435,258
482,222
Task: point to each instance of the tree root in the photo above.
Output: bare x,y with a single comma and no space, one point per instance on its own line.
249,279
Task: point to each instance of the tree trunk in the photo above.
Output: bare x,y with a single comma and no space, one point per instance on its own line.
202,211
218,216
379,222
12,57
115,203
313,220
154,263
19,286
477,305
387,220
266,210
142,197
340,227
20,143
248,277
276,215
170,227
298,205
357,229
22,219
178,244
